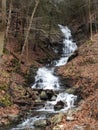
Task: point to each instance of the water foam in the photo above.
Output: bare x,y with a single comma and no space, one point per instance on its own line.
45,79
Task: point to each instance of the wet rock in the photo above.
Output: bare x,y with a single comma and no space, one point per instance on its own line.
73,55
40,123
43,95
30,77
56,119
70,91
53,98
50,94
58,127
59,105
12,117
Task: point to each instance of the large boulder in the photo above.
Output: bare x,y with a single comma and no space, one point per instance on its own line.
59,105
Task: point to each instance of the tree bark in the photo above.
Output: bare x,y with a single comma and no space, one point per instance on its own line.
2,33
28,30
9,20
3,13
90,18
95,5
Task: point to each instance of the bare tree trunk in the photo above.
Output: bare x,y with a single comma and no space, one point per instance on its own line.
90,18
95,15
3,13
28,30
9,20
2,33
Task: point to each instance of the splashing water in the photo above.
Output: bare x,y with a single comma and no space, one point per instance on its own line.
45,79
67,99
68,46
28,123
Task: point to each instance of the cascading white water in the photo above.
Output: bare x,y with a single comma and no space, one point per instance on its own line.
45,79
68,46
67,99
28,123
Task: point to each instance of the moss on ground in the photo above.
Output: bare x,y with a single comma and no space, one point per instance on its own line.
6,100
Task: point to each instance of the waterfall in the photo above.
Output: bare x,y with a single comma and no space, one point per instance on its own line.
45,78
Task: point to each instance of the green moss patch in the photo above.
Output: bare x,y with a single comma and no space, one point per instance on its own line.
6,100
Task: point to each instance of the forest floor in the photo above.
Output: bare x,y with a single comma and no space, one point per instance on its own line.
81,73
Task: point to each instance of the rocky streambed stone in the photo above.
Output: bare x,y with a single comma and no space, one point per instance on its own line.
40,123
58,127
59,105
70,118
12,117
70,90
57,118
53,98
44,95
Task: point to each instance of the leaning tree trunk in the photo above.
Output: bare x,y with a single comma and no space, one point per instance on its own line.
28,30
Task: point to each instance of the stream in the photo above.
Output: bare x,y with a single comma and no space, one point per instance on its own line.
47,80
